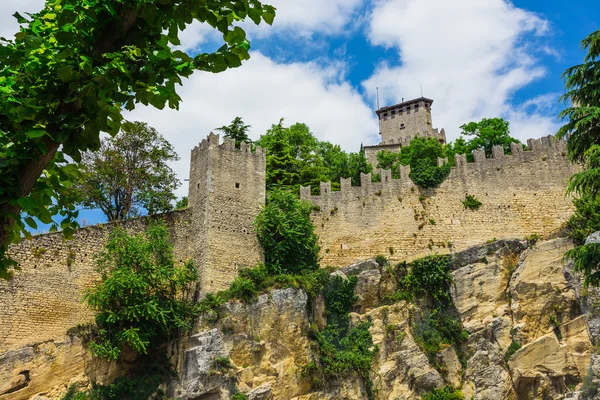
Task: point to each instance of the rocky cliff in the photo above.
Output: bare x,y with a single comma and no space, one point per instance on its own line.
522,306
531,333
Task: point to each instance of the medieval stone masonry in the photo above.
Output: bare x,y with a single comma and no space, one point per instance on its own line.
522,194
401,123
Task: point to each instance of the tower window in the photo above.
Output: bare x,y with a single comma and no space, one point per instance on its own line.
198,186
402,126
237,185
393,112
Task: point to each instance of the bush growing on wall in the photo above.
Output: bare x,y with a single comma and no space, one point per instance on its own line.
287,235
143,299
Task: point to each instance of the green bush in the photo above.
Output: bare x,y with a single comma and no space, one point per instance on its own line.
252,282
512,349
143,299
221,364
427,174
428,276
343,352
445,393
471,202
382,260
139,385
287,235
586,260
589,390
239,396
585,220
433,330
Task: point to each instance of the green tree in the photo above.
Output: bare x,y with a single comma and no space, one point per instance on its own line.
389,160
421,155
357,164
236,130
144,299
128,172
282,168
582,83
487,133
459,146
182,203
70,72
287,235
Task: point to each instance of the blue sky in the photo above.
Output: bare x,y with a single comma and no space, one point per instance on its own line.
322,60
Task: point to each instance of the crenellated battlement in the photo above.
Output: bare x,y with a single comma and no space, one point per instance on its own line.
545,149
213,142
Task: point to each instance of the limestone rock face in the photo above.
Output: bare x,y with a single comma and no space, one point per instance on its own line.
507,294
266,342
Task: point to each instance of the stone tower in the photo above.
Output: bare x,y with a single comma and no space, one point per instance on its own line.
226,192
402,122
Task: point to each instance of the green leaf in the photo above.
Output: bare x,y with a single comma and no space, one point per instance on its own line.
31,222
65,73
35,133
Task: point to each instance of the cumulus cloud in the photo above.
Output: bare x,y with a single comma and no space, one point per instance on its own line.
306,17
261,92
471,57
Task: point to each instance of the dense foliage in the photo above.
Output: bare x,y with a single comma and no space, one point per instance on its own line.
143,299
139,384
486,134
427,281
71,72
582,83
237,130
445,393
422,155
287,235
342,352
128,173
296,157
585,220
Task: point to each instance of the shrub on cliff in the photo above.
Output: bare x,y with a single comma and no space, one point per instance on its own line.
287,235
421,155
143,299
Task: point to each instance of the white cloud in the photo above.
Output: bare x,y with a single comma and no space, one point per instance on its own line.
294,19
471,56
261,92
306,17
8,24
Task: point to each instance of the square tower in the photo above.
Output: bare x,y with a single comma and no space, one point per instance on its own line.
401,123
226,193
404,121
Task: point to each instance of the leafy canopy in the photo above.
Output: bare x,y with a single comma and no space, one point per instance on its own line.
287,235
487,133
582,83
144,299
72,70
236,130
296,157
129,172
421,155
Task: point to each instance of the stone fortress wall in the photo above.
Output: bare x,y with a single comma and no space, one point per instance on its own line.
522,194
45,298
226,192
